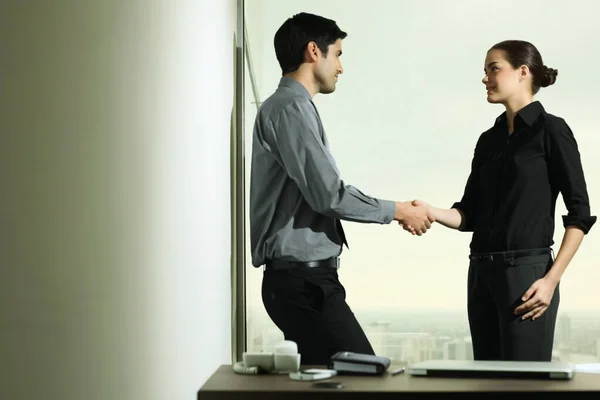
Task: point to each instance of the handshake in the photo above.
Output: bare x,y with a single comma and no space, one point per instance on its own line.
414,216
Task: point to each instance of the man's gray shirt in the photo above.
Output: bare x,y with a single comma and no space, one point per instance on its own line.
297,196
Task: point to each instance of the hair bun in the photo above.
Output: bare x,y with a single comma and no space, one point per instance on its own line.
549,76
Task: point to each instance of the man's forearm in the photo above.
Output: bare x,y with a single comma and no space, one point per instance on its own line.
349,204
401,212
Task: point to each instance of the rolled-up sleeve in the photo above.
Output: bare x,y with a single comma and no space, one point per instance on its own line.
309,163
566,174
468,204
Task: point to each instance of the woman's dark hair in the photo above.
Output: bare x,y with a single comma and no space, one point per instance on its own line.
520,52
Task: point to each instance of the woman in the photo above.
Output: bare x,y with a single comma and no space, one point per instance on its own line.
519,167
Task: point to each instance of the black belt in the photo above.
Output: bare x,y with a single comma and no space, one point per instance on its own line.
508,255
277,265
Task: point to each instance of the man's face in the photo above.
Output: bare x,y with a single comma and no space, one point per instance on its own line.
329,67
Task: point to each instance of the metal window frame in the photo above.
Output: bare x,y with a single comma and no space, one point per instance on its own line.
237,188
243,62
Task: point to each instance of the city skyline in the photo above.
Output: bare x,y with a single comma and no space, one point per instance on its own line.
410,337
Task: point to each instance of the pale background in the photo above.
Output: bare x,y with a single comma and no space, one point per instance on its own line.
405,118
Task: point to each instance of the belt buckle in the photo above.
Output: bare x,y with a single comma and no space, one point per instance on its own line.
509,257
336,263
486,258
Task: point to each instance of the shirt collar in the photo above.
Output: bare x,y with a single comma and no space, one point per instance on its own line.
295,86
528,114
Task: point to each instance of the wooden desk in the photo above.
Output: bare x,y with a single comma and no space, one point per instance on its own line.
225,384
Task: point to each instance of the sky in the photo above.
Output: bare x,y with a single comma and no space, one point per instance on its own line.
405,117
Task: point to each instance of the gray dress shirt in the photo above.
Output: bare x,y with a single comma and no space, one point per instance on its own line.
297,197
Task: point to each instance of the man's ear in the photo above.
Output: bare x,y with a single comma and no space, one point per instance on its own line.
312,52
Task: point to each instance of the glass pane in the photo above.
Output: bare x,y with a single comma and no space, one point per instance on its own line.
402,124
262,334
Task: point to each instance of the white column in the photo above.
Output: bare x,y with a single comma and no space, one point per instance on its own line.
114,205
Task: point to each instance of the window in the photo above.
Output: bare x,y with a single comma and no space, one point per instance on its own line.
403,124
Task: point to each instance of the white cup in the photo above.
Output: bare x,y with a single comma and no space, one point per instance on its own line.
286,363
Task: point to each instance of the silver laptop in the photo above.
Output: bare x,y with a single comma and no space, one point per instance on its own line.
494,369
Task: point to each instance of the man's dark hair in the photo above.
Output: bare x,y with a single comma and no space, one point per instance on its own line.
294,35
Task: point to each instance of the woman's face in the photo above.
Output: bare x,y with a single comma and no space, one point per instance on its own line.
501,80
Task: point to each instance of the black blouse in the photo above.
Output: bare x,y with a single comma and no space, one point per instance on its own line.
510,197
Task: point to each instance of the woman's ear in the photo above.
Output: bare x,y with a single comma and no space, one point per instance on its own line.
523,72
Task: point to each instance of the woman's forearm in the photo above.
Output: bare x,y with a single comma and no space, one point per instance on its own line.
570,243
450,218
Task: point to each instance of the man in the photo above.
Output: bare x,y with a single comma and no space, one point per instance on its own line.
297,198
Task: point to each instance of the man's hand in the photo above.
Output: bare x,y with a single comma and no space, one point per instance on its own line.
430,216
536,299
421,203
413,218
